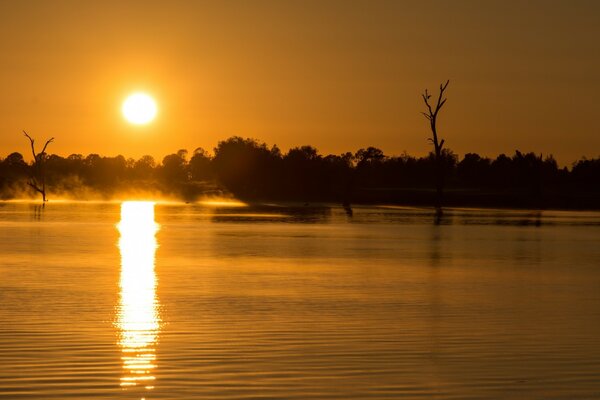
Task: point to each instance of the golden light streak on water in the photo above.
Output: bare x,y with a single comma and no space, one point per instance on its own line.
222,203
137,315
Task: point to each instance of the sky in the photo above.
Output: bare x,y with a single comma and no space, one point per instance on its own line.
338,75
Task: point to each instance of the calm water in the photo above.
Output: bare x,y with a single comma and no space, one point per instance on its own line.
132,301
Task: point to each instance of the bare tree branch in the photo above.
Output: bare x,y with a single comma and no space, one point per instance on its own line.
32,141
34,186
426,97
441,102
50,141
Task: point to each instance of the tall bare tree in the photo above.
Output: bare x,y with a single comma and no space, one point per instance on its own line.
37,177
431,114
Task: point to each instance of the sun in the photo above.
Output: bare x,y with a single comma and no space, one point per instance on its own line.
139,108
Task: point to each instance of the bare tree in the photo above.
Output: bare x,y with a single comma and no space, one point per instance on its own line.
37,179
431,115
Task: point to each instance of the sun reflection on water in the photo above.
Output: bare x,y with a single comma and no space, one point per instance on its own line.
137,315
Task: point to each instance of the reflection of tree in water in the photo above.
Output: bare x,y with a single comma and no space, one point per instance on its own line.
528,246
348,209
443,217
37,211
440,219
435,246
439,214
533,218
435,288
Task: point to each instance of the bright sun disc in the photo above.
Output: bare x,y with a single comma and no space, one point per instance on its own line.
139,108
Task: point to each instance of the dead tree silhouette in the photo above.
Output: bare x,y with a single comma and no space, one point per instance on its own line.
431,115
37,178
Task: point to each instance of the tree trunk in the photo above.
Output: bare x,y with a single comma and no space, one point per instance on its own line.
431,115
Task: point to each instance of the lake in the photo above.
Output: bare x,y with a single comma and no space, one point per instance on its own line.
222,301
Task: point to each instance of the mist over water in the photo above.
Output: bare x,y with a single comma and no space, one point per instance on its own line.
173,301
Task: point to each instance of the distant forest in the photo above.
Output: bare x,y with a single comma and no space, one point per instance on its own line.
252,171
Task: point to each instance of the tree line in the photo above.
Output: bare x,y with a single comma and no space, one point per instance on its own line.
253,171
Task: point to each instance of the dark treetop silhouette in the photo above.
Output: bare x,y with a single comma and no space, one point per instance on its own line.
253,171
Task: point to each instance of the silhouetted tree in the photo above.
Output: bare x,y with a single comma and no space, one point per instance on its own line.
15,160
586,173
431,115
304,177
174,168
369,171
369,155
251,170
200,165
247,168
37,178
339,171
473,170
144,168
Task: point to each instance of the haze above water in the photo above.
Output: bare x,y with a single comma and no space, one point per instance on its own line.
131,301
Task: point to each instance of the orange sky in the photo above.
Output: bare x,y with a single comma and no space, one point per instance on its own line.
336,75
